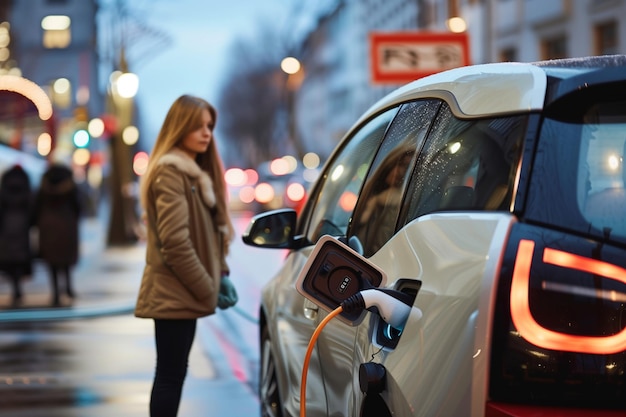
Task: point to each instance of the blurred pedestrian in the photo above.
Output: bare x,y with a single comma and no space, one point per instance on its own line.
56,216
15,210
189,230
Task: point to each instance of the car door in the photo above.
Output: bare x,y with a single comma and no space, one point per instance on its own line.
327,212
372,223
452,226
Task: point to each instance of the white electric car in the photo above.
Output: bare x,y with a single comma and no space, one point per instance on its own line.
494,197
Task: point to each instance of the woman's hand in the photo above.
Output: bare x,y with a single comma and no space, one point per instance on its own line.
227,296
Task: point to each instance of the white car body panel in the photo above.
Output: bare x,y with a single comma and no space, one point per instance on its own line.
289,351
455,255
518,88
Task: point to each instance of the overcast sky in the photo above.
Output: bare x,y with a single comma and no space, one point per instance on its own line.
200,33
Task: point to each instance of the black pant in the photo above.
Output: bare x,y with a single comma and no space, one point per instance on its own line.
173,344
15,273
55,272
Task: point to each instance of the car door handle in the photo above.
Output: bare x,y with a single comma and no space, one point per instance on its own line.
310,309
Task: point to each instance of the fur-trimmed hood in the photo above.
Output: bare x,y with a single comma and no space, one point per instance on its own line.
188,166
185,251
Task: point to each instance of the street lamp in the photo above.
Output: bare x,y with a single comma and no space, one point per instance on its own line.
295,75
124,87
290,65
127,84
123,224
455,23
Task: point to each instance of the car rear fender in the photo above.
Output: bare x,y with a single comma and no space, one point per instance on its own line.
439,366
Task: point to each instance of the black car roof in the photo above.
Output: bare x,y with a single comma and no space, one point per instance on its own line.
575,74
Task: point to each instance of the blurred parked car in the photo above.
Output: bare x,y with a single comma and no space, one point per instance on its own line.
494,195
267,190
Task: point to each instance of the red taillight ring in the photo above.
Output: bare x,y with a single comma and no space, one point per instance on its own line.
534,332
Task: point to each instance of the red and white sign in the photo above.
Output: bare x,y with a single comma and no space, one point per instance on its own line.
401,57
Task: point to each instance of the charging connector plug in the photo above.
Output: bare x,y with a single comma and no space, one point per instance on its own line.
392,306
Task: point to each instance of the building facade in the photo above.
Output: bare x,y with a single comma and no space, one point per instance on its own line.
531,30
337,86
54,44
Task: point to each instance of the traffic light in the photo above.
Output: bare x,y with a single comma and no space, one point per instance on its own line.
81,138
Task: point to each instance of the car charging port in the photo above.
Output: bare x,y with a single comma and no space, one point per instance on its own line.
393,306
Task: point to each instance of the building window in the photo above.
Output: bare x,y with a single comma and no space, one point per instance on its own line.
554,48
56,31
606,42
61,93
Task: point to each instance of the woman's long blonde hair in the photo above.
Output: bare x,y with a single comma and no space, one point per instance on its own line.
184,116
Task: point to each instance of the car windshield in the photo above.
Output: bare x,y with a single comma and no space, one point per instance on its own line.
579,176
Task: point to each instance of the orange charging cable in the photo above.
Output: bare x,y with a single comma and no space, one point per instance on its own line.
307,357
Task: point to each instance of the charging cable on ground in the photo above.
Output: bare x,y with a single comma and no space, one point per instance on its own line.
392,306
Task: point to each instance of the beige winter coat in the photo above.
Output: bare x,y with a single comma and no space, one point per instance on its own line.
184,256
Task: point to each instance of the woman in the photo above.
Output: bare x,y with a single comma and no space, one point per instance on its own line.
183,195
57,214
15,210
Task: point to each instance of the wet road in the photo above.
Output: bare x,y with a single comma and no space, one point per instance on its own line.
75,368
102,364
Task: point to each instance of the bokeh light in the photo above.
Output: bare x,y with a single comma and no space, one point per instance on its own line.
81,138
252,177
235,177
264,193
457,25
81,157
130,135
311,160
279,166
140,163
44,144
290,65
295,191
247,194
347,201
96,127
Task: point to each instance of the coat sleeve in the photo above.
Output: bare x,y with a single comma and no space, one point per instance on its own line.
172,224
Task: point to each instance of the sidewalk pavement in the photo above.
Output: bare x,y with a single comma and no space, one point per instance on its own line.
224,359
105,281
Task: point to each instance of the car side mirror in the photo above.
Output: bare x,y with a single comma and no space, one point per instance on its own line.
273,229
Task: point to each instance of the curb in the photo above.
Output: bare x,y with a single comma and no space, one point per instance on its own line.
66,313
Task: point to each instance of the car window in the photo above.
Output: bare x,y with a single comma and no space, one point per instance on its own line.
466,165
578,180
342,179
605,203
376,213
